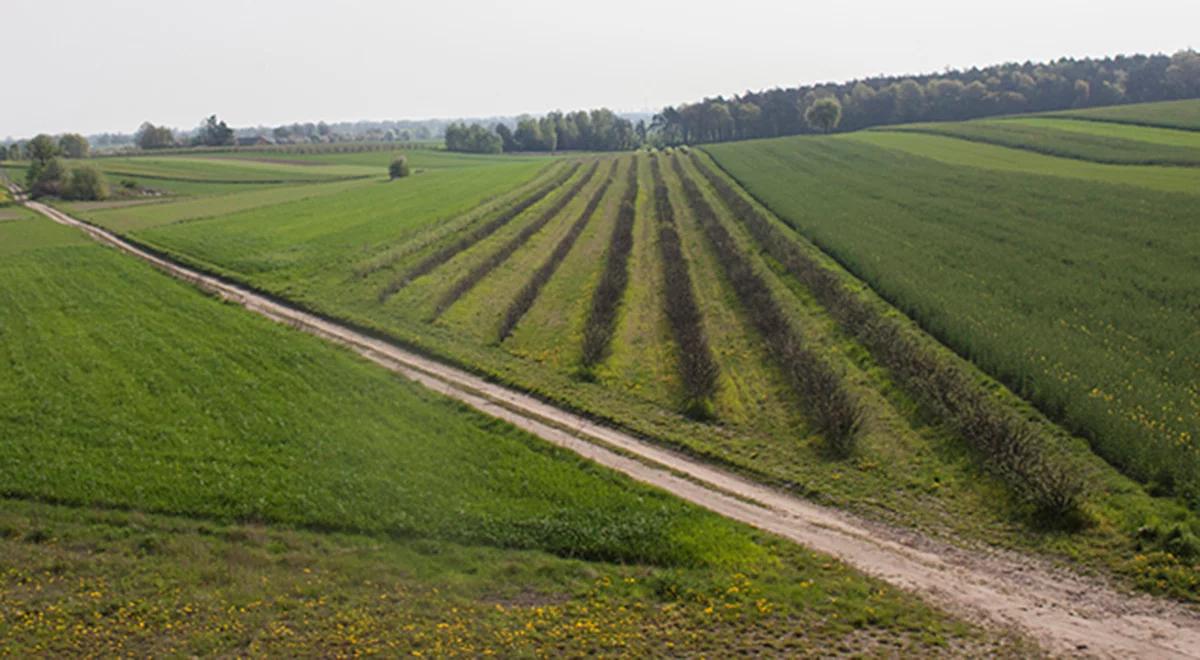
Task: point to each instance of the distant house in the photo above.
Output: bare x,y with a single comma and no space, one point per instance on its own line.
254,141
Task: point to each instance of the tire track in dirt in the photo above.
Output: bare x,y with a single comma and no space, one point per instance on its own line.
1066,613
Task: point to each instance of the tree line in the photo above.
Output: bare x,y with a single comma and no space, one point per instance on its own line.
596,130
954,95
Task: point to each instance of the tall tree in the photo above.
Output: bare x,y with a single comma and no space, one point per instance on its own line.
73,145
824,114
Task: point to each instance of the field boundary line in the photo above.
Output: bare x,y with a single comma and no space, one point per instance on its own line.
1066,613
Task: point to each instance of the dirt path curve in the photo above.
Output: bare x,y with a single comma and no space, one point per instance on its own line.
1065,613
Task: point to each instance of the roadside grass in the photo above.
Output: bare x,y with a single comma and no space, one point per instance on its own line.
928,480
1044,136
85,581
1167,114
962,153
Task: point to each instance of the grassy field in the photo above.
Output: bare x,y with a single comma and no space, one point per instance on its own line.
1167,114
1083,140
339,253
259,522
1043,281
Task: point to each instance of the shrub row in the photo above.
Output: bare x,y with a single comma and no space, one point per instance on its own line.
468,281
833,409
602,318
529,293
1011,445
698,369
447,252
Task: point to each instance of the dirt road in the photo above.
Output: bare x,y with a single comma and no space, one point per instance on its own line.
1065,613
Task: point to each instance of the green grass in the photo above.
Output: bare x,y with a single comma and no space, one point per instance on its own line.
180,476
1167,114
1089,141
962,153
1079,295
224,170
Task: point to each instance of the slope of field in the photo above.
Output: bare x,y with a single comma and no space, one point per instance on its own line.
1090,141
1167,114
1045,282
301,527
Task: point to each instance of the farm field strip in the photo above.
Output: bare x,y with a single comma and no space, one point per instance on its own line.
1168,137
977,584
1046,138
1184,115
953,151
481,270
610,290
835,411
390,258
528,294
449,251
698,371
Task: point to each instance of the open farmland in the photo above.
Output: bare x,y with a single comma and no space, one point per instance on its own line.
259,523
1084,140
504,279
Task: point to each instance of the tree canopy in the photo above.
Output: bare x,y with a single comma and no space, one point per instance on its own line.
949,96
214,133
595,130
149,136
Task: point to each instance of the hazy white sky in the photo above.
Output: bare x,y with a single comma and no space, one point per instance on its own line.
107,65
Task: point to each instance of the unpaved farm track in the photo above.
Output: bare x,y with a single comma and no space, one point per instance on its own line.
1065,613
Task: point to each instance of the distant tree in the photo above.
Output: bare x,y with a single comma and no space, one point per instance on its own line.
149,136
45,177
1183,74
1083,92
42,148
824,114
281,133
472,139
85,183
73,145
406,135
214,133
323,129
507,142
399,168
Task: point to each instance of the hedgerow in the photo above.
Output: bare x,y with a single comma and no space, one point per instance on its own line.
833,408
698,370
476,275
602,318
529,293
448,252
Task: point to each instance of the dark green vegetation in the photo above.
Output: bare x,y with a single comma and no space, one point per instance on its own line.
1167,114
183,477
1003,89
943,457
1092,141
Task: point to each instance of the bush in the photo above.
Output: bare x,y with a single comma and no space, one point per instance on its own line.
399,168
45,177
85,183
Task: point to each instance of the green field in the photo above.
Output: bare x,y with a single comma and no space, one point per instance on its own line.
344,249
261,522
1084,140
1077,294
1167,114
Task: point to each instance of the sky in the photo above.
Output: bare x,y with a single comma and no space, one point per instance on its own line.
92,66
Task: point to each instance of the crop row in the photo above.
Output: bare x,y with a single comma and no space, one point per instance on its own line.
1009,442
449,251
698,369
480,271
832,407
602,318
529,293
